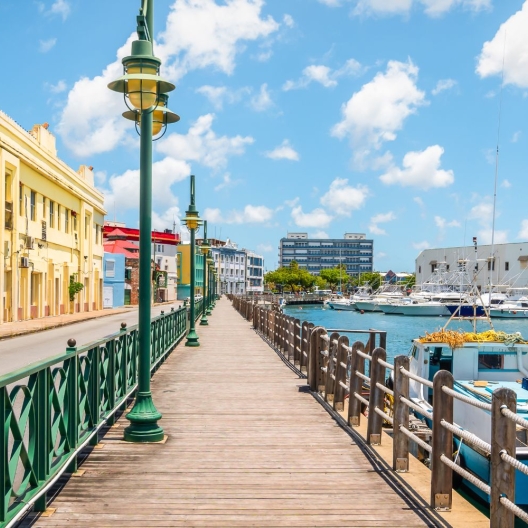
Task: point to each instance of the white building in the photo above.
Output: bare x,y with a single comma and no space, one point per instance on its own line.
254,272
165,255
230,263
240,271
510,264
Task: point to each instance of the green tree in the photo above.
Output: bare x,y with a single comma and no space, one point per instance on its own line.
334,276
291,278
410,281
373,279
74,287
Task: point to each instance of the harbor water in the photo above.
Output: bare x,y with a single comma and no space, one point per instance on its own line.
401,330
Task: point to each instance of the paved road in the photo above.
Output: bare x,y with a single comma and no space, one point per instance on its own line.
18,352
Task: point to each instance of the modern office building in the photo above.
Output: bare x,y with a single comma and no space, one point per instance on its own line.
254,272
510,266
314,254
51,228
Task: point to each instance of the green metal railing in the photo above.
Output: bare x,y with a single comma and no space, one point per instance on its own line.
52,409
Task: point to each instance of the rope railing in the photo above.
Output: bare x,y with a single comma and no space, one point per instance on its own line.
341,371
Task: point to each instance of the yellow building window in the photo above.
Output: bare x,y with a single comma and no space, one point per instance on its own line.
52,214
66,221
33,208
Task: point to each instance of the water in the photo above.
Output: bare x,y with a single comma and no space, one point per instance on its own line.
400,330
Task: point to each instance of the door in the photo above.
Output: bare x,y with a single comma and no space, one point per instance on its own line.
127,296
108,297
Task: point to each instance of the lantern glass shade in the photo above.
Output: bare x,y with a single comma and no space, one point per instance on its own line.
192,220
142,93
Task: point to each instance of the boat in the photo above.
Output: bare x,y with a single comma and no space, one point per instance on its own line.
498,360
432,308
342,304
384,294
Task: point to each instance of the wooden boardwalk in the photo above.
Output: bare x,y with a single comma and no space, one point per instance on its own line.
247,445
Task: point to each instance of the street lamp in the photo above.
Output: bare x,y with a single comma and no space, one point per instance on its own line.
210,301
192,221
205,250
144,92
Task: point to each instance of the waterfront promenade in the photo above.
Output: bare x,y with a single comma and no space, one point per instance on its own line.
247,445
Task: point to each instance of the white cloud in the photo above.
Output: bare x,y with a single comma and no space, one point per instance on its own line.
516,136
482,213
432,8
226,182
122,191
91,121
265,248
421,205
283,151
46,45
420,169
381,255
323,75
331,3
60,87
509,47
523,233
201,144
167,219
342,198
262,101
485,235
220,95
442,85
373,115
442,223
223,28
61,8
317,218
420,246
380,219
288,21
252,214
506,184
319,234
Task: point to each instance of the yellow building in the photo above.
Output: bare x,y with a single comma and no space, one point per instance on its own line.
184,271
52,235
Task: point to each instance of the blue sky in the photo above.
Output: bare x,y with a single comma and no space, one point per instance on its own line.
325,116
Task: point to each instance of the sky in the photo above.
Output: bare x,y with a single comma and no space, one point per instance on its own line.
328,117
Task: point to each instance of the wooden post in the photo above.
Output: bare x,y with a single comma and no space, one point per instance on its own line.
377,396
503,437
400,444
357,363
305,346
383,340
340,373
321,361
315,352
330,367
441,475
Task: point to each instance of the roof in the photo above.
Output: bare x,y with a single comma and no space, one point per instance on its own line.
122,247
133,234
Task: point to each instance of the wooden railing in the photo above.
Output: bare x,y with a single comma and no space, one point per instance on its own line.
337,370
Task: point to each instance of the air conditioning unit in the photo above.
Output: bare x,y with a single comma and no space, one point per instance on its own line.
24,262
30,241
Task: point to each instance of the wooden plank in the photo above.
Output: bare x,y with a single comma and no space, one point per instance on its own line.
245,447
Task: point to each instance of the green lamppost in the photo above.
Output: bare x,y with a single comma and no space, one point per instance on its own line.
145,92
210,261
205,250
192,221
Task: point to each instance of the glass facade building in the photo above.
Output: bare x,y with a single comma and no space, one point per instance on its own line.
354,250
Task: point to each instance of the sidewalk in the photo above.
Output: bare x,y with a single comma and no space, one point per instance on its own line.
30,326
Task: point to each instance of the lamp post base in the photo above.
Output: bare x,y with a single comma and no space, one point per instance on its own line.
192,339
208,312
203,320
143,421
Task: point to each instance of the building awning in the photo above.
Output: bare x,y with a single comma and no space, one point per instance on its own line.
523,258
433,262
